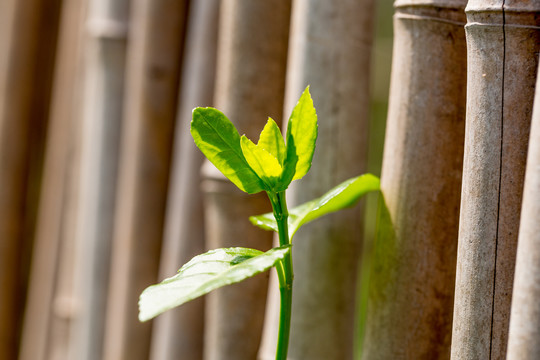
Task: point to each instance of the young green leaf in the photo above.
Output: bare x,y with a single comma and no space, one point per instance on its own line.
272,141
302,134
204,273
219,141
289,166
345,195
265,165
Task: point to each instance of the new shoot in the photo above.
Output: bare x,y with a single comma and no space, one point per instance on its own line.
270,165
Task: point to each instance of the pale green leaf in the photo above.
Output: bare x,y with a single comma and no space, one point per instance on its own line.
219,141
205,273
302,134
345,195
272,141
289,166
265,165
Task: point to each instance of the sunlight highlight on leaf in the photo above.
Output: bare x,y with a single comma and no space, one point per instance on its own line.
204,273
302,133
272,141
345,195
265,165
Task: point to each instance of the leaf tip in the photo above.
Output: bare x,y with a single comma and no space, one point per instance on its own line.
143,316
197,111
196,114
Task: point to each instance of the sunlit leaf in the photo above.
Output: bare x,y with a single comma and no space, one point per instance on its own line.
272,141
289,166
219,141
204,273
265,165
345,195
302,134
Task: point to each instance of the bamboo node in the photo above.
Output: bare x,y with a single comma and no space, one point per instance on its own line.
107,29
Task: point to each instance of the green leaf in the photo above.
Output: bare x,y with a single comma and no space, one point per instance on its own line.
272,141
289,166
265,165
302,135
204,273
219,141
345,195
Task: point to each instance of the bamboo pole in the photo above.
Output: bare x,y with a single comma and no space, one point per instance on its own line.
51,308
28,41
7,19
11,198
249,87
503,40
101,119
60,192
179,333
153,67
524,333
410,302
330,49
65,308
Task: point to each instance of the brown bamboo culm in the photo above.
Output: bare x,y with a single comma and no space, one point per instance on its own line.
503,40
409,314
250,83
179,333
62,164
28,44
153,67
106,26
524,332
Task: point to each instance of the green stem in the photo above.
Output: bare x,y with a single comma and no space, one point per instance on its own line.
285,274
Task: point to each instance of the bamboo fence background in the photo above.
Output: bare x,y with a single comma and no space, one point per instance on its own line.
102,191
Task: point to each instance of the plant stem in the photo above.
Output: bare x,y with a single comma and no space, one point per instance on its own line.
285,293
285,274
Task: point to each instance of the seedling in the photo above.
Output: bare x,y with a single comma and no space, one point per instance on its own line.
270,166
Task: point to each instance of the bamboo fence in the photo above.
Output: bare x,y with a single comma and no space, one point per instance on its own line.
103,193
525,316
105,42
501,76
180,333
152,76
410,303
28,47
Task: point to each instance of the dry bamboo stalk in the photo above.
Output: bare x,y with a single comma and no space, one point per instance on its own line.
51,308
153,67
7,19
65,305
330,50
524,333
410,304
40,308
28,46
249,87
178,334
503,40
64,118
11,198
101,118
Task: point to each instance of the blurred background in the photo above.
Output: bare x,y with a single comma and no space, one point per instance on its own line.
101,188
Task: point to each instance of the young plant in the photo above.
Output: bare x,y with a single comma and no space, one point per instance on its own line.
270,166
